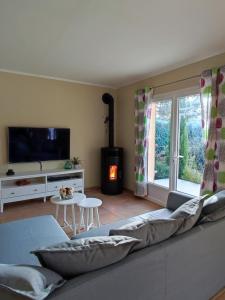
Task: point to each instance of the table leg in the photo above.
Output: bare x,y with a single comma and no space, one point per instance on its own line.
91,217
81,221
73,219
97,217
65,221
87,219
81,216
2,206
57,212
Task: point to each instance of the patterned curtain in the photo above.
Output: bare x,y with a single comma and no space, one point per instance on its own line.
213,113
142,119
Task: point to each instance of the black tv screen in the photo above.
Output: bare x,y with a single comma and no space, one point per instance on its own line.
38,144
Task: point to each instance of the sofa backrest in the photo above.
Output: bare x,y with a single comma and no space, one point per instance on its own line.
188,266
176,199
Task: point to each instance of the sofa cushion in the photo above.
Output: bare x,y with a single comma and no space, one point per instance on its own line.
150,232
213,208
163,213
215,216
84,255
189,213
28,234
214,203
32,282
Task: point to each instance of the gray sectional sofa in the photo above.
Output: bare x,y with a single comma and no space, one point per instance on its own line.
188,266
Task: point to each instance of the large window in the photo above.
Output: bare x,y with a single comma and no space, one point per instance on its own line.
159,146
176,150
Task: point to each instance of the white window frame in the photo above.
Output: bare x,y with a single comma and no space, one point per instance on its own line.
157,192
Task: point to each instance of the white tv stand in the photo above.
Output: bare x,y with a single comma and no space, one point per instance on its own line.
41,184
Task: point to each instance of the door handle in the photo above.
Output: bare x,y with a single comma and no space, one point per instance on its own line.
177,157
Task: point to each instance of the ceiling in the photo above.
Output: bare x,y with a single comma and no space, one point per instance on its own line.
108,42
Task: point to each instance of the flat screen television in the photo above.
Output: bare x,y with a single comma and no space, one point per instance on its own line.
27,144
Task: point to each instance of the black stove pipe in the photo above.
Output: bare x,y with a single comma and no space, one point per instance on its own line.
108,99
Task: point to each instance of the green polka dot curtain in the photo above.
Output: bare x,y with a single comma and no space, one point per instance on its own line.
213,112
142,119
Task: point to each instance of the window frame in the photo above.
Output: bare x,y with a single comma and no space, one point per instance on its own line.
158,192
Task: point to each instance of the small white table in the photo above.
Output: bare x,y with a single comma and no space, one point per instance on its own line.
90,206
77,198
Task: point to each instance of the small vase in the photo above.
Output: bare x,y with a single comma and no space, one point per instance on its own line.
77,167
68,165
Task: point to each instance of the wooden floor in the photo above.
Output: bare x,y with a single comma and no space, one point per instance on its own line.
114,208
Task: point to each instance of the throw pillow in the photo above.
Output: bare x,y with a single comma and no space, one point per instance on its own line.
84,255
149,232
32,282
189,213
213,208
214,216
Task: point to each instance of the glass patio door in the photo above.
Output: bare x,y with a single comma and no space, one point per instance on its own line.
176,150
191,146
159,143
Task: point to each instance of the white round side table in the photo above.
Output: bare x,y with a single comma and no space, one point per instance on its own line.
90,207
77,197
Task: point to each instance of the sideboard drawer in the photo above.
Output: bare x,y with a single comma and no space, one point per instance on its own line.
54,186
23,190
12,192
35,189
74,183
78,183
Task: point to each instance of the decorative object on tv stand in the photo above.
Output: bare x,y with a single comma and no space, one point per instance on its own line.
68,165
10,172
22,182
41,167
76,162
66,193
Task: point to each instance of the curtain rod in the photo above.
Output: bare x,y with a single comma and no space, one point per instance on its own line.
179,80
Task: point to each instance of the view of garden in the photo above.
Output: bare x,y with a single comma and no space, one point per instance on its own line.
191,147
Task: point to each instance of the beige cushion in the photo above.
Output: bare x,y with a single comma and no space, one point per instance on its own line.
83,255
149,232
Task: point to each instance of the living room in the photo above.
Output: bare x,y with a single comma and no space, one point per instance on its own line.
116,82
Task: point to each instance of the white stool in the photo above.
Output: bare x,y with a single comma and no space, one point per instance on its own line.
77,197
90,207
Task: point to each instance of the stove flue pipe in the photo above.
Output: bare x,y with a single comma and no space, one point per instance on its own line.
108,99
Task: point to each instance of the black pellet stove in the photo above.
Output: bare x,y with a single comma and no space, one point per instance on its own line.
111,157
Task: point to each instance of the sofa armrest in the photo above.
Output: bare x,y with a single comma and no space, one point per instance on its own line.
176,199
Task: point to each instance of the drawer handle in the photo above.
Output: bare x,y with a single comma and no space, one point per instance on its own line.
56,187
35,190
12,193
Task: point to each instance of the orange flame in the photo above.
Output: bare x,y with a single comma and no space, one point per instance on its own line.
113,172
